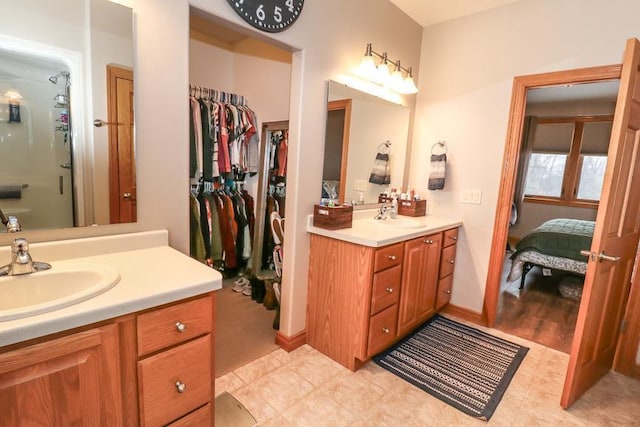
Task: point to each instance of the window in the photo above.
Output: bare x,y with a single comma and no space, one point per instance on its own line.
591,177
544,175
568,160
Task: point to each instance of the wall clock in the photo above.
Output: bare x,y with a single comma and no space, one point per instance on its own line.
271,16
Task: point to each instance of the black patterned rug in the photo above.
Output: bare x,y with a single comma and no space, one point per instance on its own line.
462,366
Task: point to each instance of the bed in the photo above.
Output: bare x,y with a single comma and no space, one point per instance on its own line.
556,244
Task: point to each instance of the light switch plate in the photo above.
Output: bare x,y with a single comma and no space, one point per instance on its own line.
473,197
360,185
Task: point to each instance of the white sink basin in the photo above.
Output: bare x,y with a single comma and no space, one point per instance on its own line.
399,222
65,284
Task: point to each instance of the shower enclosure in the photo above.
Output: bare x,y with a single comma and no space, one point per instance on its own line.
36,161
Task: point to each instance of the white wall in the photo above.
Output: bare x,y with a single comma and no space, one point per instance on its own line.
467,69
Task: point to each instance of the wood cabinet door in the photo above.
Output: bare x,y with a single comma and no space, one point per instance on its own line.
419,281
70,381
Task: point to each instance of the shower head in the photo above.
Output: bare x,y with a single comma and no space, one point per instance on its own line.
54,79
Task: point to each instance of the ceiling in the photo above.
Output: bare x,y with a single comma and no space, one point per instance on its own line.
429,12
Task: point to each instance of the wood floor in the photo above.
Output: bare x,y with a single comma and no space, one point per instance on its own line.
538,312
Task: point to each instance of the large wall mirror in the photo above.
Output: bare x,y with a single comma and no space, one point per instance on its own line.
359,126
64,64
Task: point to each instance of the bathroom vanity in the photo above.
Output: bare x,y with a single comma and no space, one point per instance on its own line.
371,284
141,353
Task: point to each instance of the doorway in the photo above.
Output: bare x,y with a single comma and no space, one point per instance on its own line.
512,160
230,70
563,155
122,165
616,228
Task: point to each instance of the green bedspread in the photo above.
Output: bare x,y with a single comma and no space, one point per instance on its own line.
561,237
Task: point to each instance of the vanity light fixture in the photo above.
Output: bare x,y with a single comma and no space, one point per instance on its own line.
382,75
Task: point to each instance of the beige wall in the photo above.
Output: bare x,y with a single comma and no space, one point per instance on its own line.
329,39
466,74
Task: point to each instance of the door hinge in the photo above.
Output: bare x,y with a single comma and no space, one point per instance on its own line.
623,326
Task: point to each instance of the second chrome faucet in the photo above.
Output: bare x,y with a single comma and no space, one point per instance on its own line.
21,261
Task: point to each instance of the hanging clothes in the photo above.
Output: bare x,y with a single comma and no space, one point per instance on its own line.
223,134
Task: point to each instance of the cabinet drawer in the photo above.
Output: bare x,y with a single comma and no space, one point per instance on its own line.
201,417
174,324
388,257
450,237
382,330
447,261
444,291
386,289
160,378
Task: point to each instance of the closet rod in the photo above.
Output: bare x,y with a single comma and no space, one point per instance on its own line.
217,95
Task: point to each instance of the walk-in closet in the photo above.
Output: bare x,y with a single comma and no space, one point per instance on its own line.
238,101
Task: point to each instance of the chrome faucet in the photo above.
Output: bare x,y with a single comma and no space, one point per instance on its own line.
10,222
387,208
21,262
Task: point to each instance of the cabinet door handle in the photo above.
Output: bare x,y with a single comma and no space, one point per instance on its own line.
389,290
180,386
447,291
181,327
451,261
453,237
428,241
385,330
392,257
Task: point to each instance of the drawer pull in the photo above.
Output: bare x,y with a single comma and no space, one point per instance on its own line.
385,330
392,257
447,291
180,386
181,327
428,241
389,290
453,237
451,261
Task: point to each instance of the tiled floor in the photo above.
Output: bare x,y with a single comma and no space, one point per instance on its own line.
305,388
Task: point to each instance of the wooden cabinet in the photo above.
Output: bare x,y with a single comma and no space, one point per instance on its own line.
447,263
175,369
363,299
150,369
419,281
73,380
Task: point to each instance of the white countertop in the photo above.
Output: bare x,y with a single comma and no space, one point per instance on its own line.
365,232
151,274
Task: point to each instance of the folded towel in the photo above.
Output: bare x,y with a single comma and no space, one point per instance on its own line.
11,191
438,171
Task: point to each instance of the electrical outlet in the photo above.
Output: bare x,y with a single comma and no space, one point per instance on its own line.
360,185
473,197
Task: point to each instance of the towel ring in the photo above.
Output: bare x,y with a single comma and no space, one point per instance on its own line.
386,145
440,144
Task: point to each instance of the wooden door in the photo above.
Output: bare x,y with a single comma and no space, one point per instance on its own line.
615,242
122,166
627,362
69,381
419,281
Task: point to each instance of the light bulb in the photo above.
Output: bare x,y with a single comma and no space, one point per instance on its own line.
382,74
408,86
396,79
367,67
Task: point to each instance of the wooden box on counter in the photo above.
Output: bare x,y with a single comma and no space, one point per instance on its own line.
412,207
332,218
